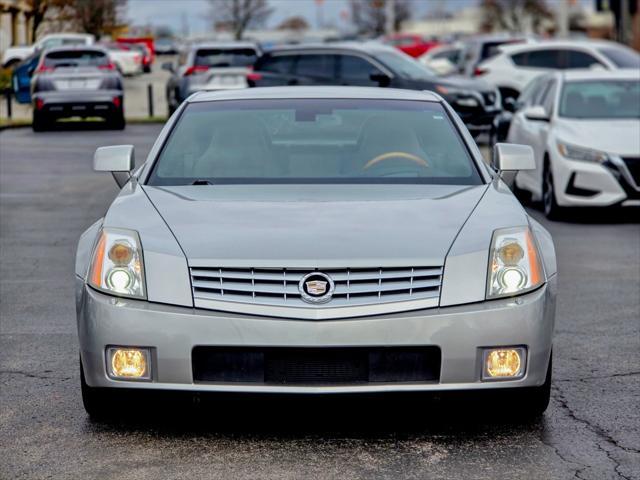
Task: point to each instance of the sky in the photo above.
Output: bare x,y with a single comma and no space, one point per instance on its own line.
196,14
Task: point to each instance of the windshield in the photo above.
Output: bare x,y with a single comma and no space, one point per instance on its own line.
314,141
601,99
622,57
403,65
75,58
227,57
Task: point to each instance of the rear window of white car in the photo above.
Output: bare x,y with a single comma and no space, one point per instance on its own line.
315,141
600,99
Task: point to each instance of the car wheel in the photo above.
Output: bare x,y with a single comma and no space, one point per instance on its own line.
551,208
117,122
535,400
39,122
95,400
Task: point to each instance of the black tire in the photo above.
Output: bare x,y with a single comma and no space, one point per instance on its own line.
95,400
117,122
549,204
535,400
524,196
39,122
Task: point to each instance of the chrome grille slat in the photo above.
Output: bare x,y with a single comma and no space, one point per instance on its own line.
279,286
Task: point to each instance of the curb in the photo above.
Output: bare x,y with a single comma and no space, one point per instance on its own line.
130,121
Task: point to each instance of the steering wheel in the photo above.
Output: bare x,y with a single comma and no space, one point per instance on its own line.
386,156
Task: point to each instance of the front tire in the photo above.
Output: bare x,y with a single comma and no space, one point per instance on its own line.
551,208
95,400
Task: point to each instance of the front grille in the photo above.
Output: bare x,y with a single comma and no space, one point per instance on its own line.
279,286
633,165
315,366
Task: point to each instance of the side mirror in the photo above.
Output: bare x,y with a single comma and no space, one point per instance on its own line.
510,104
382,79
536,112
512,157
168,66
118,159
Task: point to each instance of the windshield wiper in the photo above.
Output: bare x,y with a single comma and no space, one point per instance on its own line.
201,182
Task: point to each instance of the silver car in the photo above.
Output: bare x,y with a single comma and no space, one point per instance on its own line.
315,240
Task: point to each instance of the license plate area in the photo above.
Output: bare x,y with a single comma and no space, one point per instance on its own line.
316,366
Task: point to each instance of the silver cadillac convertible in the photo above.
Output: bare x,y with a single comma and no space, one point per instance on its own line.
315,241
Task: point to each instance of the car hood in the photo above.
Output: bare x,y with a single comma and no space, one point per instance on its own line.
315,225
464,83
608,135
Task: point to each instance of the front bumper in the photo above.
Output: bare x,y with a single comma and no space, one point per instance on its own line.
587,184
172,332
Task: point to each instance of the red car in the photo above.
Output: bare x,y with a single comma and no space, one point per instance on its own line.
413,45
144,45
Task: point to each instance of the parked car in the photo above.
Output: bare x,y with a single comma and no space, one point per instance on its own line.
482,47
412,45
584,127
76,82
128,60
315,240
373,64
444,59
516,65
21,77
209,66
166,46
144,45
14,55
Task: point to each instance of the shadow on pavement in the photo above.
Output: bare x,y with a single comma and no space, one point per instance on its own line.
363,416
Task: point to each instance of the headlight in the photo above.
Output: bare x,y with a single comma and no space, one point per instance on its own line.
579,153
514,263
117,267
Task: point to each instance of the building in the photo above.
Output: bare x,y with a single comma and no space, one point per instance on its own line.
16,23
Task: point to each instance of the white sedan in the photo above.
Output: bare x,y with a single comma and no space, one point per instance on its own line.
518,64
584,128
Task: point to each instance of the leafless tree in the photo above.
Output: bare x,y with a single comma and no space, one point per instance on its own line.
369,16
99,17
514,15
238,15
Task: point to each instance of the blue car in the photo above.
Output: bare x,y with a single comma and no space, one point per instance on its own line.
21,77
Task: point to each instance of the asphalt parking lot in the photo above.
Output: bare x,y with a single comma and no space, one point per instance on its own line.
49,195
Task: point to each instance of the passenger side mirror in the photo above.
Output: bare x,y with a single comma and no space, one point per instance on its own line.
537,113
382,78
118,159
510,104
168,66
512,157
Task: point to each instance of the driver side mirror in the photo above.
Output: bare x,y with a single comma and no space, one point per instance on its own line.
536,112
118,159
382,78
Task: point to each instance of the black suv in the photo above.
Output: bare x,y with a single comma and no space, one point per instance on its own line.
373,64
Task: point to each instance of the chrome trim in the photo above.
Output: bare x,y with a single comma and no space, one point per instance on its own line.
307,313
624,170
280,291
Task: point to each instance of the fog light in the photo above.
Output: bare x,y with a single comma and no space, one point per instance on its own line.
129,363
503,363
